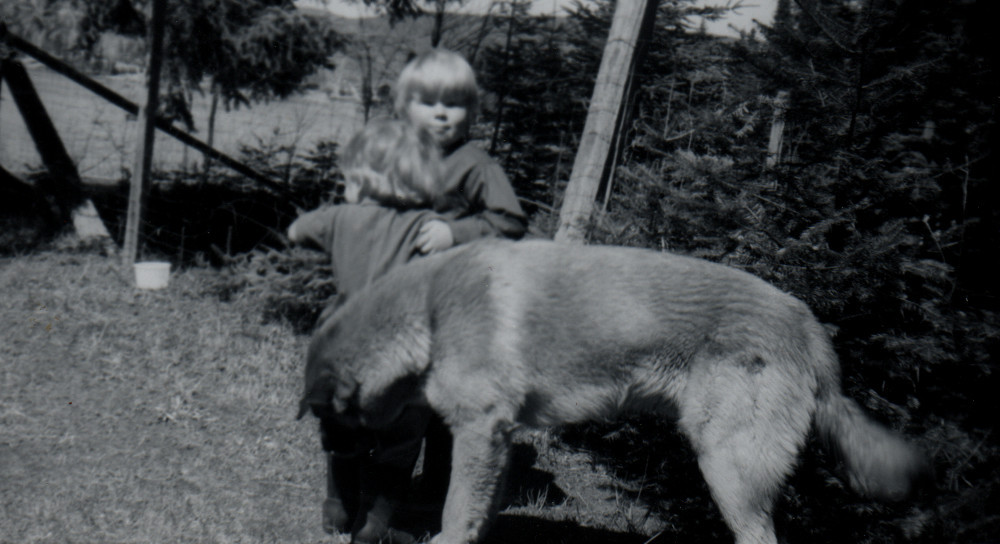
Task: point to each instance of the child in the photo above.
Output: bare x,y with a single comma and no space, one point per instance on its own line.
390,172
391,169
437,91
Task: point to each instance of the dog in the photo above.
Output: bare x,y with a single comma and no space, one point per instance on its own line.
498,334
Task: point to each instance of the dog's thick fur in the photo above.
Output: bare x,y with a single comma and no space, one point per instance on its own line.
498,334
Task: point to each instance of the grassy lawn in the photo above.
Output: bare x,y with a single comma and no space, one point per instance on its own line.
168,416
134,416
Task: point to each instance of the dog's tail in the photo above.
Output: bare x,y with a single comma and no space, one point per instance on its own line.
880,463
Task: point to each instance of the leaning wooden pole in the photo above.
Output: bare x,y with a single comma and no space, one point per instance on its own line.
603,117
147,133
63,184
162,124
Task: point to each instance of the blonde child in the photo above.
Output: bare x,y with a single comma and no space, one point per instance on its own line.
437,91
391,169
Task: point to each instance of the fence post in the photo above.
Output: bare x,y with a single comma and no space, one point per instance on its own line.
607,106
144,143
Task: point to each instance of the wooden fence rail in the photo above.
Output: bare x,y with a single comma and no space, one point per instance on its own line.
132,108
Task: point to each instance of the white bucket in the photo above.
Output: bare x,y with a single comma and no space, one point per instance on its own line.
152,274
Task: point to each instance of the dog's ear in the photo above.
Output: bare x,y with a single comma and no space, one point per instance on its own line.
327,394
344,395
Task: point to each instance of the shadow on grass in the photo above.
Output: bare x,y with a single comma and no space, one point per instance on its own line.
657,467
517,528
525,485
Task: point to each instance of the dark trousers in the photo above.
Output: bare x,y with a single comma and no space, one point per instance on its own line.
368,473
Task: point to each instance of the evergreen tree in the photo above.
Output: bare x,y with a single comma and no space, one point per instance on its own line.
537,81
881,215
249,50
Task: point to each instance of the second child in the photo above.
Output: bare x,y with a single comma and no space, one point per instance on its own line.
391,171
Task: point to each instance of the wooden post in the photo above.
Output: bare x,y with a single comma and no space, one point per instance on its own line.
144,143
777,130
603,117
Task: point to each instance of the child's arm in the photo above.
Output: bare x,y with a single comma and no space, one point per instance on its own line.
493,206
313,228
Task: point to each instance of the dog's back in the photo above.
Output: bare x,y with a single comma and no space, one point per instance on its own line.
624,325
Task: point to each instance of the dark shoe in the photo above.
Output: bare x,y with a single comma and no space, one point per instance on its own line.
372,527
335,517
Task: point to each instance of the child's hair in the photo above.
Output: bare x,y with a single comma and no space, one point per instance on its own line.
438,74
394,163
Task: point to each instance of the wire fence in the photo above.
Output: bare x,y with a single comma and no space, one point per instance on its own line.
186,218
100,137
187,223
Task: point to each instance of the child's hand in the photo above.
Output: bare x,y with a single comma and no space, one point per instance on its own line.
434,236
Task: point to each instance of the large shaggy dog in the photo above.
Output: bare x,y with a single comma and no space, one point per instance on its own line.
499,334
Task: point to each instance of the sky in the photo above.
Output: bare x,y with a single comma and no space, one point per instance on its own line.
761,10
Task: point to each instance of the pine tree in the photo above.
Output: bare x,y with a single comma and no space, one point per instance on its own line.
248,50
535,108
881,213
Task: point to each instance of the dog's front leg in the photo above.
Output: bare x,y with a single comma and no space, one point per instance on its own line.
480,456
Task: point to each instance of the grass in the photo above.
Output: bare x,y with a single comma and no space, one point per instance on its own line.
134,416
168,416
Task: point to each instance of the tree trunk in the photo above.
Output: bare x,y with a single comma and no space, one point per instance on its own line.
777,129
502,96
606,109
438,30
213,110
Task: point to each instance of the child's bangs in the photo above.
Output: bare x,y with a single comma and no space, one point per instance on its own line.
446,81
438,75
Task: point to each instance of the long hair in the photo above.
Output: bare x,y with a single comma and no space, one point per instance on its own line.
394,163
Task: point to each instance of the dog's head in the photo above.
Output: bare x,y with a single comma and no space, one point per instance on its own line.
366,360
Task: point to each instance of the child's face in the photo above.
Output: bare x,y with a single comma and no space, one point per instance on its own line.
445,119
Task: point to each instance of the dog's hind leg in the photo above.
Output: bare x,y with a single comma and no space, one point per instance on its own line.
745,504
746,424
